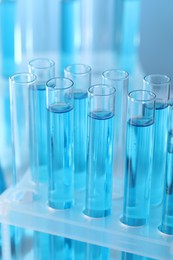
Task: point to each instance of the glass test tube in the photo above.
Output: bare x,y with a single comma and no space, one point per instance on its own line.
119,80
59,103
160,85
167,209
80,74
20,85
101,107
44,69
139,155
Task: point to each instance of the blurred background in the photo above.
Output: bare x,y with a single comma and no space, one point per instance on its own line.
134,35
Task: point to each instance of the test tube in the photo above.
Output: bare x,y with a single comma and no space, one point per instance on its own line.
80,74
167,209
44,69
101,109
20,85
139,155
59,103
160,85
119,79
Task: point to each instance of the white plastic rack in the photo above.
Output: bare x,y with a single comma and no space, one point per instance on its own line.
18,208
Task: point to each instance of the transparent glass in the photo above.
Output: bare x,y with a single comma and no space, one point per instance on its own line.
160,85
119,80
80,74
44,69
59,103
139,156
20,85
167,208
101,111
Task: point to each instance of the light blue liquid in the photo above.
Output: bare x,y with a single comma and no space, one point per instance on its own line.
39,155
80,139
60,154
138,172
100,164
167,211
61,248
159,156
94,252
41,245
3,184
79,250
39,160
7,37
21,244
129,256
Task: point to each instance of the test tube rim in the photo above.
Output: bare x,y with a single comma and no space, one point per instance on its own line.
67,69
126,74
53,87
12,78
167,81
50,61
101,95
137,100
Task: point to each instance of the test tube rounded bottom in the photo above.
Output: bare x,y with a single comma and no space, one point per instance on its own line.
97,213
64,205
166,229
132,221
